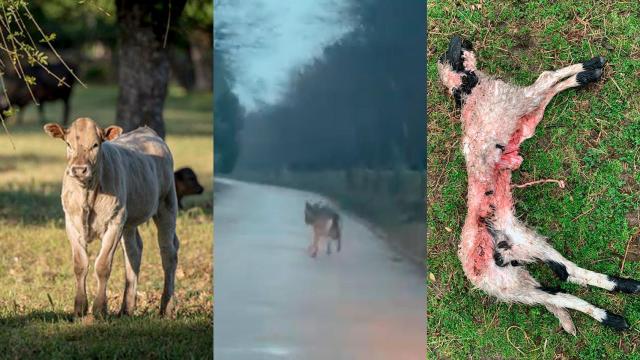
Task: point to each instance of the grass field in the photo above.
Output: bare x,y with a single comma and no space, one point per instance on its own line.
588,137
36,274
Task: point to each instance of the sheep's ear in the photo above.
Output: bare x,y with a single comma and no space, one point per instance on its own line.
111,133
55,131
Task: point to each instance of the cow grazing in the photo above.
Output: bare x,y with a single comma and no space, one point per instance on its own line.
495,246
46,89
111,185
186,184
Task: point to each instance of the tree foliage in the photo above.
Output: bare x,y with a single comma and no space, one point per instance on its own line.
22,41
362,105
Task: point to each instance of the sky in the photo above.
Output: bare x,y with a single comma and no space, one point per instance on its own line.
265,42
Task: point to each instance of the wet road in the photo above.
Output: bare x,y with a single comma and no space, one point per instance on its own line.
272,301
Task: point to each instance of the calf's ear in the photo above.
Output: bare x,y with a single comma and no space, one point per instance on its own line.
111,133
54,130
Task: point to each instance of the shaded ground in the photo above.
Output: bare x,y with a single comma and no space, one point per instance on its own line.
36,273
275,302
590,138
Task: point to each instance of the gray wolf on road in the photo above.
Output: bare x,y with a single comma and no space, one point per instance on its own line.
326,224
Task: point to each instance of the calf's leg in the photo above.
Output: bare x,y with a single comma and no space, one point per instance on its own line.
103,264
132,250
80,270
169,243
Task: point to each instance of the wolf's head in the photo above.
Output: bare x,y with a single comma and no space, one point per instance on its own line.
457,67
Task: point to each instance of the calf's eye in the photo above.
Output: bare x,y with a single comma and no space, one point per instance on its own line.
94,146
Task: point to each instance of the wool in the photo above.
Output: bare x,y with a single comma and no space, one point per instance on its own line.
495,246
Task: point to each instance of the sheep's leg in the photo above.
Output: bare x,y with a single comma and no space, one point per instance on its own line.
517,245
557,301
586,72
564,317
547,87
519,286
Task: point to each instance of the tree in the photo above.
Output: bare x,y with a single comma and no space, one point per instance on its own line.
143,60
228,115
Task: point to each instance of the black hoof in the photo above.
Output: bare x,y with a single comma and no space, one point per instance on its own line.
454,54
628,286
589,76
595,63
615,322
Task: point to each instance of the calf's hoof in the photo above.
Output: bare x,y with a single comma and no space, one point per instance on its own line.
80,308
168,308
99,310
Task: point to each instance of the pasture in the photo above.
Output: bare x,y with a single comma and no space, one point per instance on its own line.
36,273
589,137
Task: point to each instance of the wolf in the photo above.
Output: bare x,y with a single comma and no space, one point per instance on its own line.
495,245
326,224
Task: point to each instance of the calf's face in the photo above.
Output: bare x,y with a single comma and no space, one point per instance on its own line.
83,138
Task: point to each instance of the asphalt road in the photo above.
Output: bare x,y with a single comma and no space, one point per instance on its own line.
273,301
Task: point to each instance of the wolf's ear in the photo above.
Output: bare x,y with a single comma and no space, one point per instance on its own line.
54,130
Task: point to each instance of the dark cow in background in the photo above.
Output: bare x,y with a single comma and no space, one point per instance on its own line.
186,184
47,88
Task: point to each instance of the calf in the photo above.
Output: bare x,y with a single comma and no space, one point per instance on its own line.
112,184
46,89
496,118
186,184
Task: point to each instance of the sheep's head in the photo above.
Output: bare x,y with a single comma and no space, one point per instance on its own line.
457,67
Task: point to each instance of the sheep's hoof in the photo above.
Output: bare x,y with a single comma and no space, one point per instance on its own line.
615,322
592,71
589,76
595,63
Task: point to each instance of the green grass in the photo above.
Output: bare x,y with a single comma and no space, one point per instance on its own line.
590,138
36,274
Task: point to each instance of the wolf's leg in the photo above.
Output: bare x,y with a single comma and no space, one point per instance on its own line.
313,248
329,245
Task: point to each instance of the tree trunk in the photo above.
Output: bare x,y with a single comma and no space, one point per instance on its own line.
143,61
201,49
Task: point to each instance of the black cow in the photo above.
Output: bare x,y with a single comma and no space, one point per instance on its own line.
186,184
46,89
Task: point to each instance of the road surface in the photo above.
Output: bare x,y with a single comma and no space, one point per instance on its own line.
273,301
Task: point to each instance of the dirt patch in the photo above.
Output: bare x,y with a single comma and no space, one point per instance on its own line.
634,248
